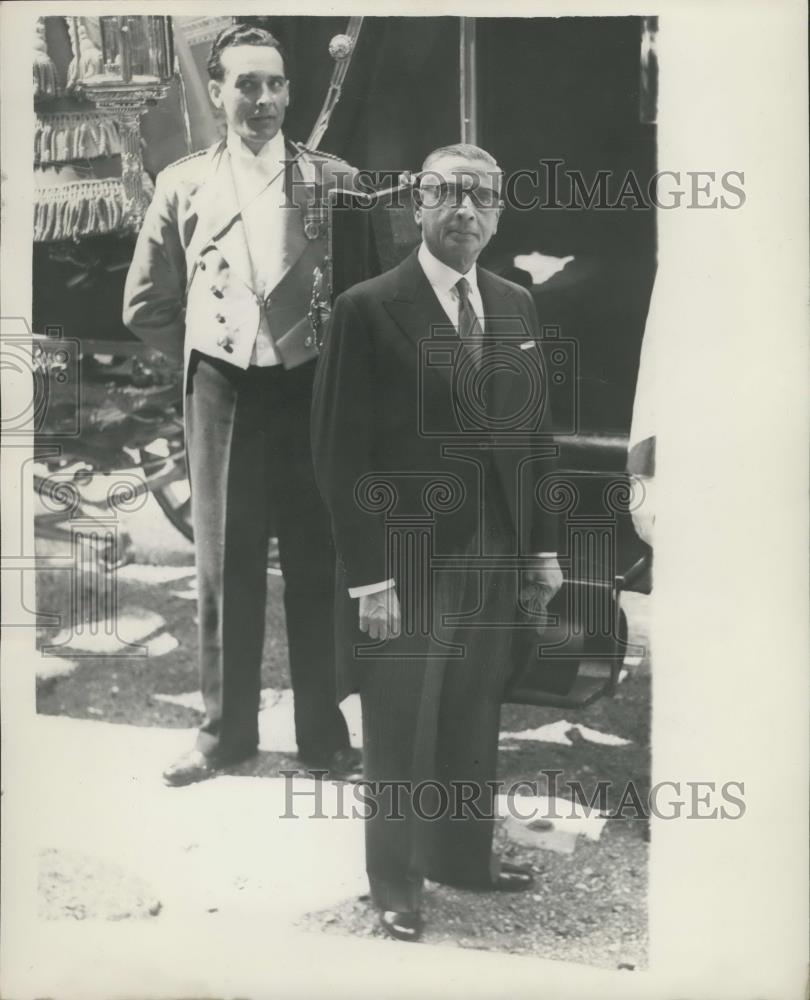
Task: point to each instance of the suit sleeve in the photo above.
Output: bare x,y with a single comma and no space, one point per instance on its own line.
544,531
343,424
154,294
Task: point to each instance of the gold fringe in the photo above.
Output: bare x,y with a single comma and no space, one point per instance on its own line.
46,83
67,136
45,80
82,209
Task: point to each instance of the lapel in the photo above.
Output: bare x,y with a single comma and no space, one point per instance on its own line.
504,311
495,294
414,306
416,311
219,220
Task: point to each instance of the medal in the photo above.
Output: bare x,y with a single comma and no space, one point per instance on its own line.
314,221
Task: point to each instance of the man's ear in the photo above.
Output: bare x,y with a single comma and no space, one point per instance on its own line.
411,181
215,92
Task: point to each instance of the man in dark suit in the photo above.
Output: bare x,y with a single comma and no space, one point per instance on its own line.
222,278
430,433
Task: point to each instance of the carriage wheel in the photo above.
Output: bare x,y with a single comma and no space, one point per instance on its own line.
163,463
174,499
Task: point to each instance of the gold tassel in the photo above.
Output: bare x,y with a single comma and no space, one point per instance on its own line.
46,83
67,136
82,209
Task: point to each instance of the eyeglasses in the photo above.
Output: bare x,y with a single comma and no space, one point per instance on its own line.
452,193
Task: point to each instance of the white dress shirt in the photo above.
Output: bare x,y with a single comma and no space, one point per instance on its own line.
443,281
259,184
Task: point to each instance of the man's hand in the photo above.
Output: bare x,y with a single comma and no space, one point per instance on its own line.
379,614
541,583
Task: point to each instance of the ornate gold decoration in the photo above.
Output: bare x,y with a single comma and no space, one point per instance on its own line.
320,307
341,48
45,80
135,71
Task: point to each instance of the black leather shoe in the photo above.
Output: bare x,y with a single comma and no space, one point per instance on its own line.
344,765
403,926
512,878
196,766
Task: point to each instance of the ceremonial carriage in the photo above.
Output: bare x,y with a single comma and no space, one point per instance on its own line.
118,98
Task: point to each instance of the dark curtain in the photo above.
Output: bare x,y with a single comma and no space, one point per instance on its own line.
400,96
568,89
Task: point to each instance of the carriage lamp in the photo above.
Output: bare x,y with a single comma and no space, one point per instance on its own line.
124,65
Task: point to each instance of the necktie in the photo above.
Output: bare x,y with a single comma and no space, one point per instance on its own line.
467,320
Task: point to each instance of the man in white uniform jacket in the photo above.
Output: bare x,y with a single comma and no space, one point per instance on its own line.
221,278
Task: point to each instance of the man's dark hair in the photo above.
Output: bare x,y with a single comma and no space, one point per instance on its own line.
240,34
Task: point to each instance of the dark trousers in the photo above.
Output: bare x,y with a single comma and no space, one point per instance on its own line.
433,719
249,454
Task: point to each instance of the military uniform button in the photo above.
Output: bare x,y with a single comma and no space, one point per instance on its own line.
217,291
308,342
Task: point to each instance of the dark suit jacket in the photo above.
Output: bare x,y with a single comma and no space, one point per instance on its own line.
399,431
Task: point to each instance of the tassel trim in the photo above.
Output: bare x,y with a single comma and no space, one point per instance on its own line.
46,83
62,138
86,208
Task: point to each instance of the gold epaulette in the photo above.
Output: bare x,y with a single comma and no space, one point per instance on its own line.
185,159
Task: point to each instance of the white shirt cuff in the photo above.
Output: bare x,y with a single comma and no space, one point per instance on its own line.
370,588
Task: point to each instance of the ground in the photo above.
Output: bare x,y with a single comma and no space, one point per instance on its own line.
589,899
